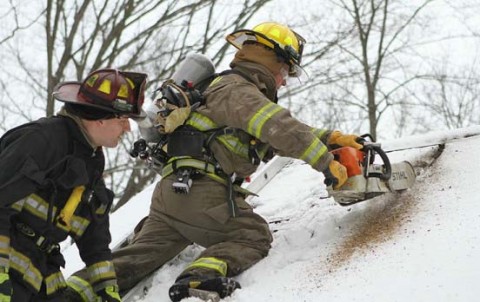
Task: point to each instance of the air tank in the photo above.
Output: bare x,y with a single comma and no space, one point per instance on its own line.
195,69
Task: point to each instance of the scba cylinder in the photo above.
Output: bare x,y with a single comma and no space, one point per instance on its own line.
194,69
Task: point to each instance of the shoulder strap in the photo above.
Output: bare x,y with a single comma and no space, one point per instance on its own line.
235,71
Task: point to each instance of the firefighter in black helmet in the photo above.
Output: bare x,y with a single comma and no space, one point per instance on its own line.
51,187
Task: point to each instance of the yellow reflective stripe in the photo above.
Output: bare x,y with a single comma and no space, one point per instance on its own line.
210,263
37,206
4,262
17,206
79,225
23,265
314,152
201,122
255,125
215,81
101,209
233,144
101,271
319,132
83,288
4,246
54,282
105,284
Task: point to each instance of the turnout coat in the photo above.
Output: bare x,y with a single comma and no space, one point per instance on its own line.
40,165
242,104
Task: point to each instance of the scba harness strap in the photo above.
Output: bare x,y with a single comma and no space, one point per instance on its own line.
187,167
204,168
43,243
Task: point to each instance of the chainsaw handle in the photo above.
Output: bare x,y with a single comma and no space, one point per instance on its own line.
370,149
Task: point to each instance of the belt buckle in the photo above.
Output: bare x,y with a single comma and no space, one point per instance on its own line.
46,246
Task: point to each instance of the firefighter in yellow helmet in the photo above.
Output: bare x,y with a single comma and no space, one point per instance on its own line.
51,187
286,44
199,198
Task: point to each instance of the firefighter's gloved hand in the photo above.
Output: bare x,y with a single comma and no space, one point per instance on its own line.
345,140
109,294
5,285
335,175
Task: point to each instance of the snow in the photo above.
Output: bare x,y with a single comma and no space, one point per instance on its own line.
420,245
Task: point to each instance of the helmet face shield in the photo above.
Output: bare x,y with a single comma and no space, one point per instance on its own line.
282,40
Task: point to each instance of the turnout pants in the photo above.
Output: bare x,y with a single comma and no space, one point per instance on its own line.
202,216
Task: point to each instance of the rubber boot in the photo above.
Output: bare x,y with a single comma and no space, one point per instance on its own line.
181,289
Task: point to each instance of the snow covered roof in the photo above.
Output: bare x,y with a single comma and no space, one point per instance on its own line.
420,245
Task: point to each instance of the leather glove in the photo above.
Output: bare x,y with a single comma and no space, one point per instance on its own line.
335,175
5,285
345,140
109,294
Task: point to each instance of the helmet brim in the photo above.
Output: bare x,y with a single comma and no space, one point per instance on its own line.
68,92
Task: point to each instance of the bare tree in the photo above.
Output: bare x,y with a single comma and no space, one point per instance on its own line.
145,35
12,23
362,69
362,59
452,101
373,24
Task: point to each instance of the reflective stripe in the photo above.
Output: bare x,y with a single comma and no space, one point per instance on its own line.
313,153
201,122
54,282
101,209
215,81
23,265
83,288
262,151
78,225
105,284
319,132
256,123
233,144
4,262
4,246
210,263
17,206
101,271
37,206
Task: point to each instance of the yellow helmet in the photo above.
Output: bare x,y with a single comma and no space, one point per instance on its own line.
285,42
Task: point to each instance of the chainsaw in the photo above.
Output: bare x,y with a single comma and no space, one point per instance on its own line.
367,179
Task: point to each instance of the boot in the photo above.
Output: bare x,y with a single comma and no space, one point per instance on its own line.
193,285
